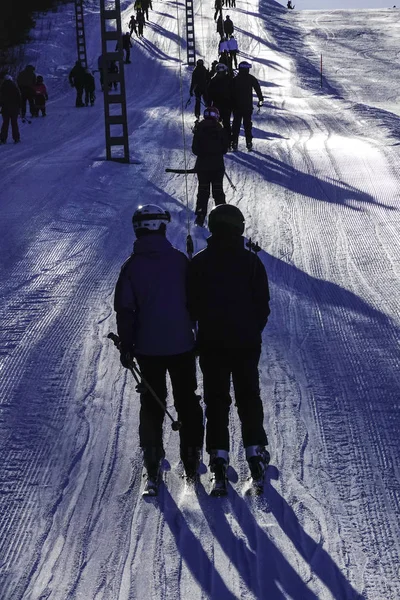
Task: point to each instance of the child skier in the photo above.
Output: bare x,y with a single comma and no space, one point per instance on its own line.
40,97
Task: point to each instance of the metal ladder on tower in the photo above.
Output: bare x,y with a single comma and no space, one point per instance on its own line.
80,33
190,39
115,115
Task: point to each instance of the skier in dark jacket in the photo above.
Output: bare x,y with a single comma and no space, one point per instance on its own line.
218,9
41,96
154,326
210,143
228,26
198,85
228,297
220,26
126,45
132,25
220,95
90,88
26,80
141,22
77,80
242,97
10,103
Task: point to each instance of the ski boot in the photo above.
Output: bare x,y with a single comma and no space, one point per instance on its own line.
219,461
258,458
152,457
191,461
249,146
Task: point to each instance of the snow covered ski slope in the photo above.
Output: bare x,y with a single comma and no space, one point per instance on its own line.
320,193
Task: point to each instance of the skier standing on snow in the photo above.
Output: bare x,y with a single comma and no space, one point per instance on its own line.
233,50
141,21
242,96
40,97
77,80
228,297
26,80
218,9
90,88
154,326
220,95
132,25
198,85
126,45
220,26
210,143
228,26
10,103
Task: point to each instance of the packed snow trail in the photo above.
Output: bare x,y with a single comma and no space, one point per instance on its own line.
320,195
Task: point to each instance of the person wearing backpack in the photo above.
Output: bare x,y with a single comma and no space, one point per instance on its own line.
210,143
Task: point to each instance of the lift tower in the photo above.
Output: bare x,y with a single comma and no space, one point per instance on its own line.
80,33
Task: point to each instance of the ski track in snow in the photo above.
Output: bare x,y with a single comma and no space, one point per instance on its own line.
320,195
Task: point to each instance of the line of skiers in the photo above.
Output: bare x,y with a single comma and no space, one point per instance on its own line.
30,89
160,299
83,81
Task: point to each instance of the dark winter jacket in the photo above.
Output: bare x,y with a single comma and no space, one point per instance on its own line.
27,77
10,96
126,41
210,143
228,295
200,78
77,76
242,90
220,25
40,94
150,300
219,91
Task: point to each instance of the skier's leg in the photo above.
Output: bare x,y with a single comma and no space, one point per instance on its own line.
215,367
182,371
154,371
197,105
203,195
237,120
14,126
247,124
5,125
217,187
245,378
225,113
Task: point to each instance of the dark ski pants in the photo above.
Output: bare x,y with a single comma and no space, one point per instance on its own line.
79,94
197,104
10,115
182,372
218,366
90,97
209,179
238,116
27,95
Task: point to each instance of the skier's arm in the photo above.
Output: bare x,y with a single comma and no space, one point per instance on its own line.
257,89
195,144
125,308
261,293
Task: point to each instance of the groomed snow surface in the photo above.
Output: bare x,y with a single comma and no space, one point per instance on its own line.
320,194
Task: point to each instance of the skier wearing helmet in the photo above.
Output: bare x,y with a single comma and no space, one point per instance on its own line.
210,143
242,96
228,297
154,326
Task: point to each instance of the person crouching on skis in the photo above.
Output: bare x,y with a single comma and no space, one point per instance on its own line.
210,143
154,326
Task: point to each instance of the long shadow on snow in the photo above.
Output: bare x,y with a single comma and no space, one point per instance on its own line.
191,550
262,566
280,173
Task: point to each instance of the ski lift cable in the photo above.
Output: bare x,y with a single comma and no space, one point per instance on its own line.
189,239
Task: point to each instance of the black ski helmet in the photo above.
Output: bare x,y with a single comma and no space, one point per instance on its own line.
226,218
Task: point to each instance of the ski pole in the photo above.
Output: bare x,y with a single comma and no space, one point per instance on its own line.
230,181
188,102
176,425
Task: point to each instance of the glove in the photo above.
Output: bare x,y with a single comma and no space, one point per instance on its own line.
260,103
126,359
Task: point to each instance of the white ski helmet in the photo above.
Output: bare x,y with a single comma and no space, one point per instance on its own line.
221,68
150,217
